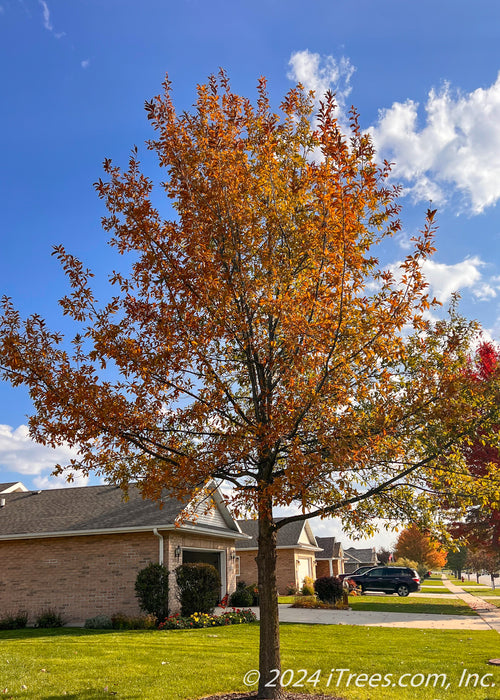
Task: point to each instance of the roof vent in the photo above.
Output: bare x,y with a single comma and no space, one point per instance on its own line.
2,502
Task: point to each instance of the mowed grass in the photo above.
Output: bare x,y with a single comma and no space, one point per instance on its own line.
188,664
429,606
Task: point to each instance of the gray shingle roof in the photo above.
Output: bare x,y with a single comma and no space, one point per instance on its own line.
288,535
331,548
7,485
360,556
82,509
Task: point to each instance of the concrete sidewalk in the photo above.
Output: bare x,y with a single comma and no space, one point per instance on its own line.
488,612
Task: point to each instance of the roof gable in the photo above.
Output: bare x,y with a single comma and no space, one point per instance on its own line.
331,548
12,486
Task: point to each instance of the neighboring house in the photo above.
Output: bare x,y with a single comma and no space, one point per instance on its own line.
12,487
354,558
329,562
296,550
78,550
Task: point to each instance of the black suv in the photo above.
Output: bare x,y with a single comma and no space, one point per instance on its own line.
388,579
360,570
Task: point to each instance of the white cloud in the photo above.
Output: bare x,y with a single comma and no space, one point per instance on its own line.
59,482
19,453
322,73
85,64
46,16
456,148
444,279
47,21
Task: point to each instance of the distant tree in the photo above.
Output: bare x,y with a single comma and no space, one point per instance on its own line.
484,560
455,560
384,555
415,545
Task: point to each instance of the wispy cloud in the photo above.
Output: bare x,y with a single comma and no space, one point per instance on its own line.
85,64
47,23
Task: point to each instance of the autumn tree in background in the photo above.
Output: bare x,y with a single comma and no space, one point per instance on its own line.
480,527
256,338
419,547
484,560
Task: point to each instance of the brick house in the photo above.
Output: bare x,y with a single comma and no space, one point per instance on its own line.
296,552
330,561
78,550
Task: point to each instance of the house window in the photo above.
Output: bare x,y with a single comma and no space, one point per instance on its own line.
237,566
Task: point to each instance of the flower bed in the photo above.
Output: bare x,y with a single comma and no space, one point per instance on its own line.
197,620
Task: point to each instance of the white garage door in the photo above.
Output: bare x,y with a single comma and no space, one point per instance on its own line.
303,569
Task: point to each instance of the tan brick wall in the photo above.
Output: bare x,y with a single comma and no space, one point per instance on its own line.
286,567
77,576
81,577
175,539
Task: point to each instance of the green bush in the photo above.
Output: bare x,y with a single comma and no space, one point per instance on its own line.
198,588
253,589
151,588
16,621
120,621
329,589
99,622
49,618
242,596
308,586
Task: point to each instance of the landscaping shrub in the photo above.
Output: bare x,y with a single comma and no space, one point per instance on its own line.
291,589
242,596
16,621
198,588
99,622
120,621
253,589
49,618
329,589
308,586
197,620
151,588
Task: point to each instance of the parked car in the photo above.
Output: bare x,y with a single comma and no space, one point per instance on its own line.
388,579
359,570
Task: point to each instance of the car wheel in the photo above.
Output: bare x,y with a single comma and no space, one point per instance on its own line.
402,590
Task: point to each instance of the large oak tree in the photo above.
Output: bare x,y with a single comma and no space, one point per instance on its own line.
256,338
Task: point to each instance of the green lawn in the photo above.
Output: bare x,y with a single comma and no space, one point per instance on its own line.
188,664
437,591
450,606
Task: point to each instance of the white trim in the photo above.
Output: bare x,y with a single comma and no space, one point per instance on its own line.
14,488
226,535
160,545
301,547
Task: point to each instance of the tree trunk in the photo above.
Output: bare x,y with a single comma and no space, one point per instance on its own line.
269,653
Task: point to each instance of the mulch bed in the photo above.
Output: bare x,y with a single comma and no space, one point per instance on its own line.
287,696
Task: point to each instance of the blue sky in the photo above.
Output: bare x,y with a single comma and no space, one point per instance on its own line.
75,75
